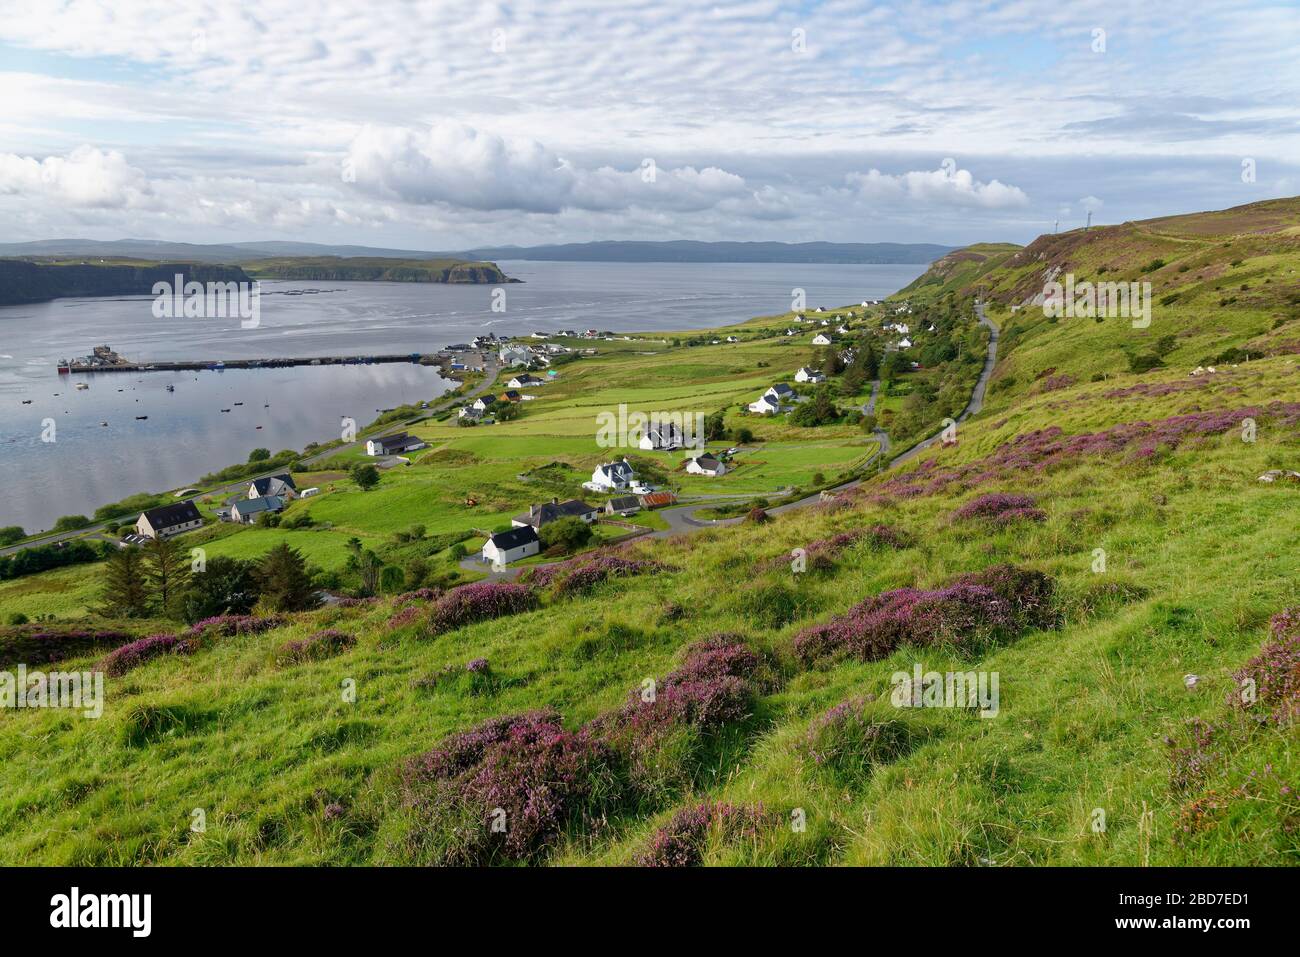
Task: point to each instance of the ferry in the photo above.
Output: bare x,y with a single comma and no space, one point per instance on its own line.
65,367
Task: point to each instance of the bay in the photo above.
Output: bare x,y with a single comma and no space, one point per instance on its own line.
187,435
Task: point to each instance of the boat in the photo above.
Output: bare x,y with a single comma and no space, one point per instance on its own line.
64,367
225,410
259,426
239,403
103,423
27,401
82,387
141,418
170,388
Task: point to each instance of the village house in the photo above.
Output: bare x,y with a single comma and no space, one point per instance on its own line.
774,400
506,547
524,381
612,476
657,499
281,485
393,444
515,356
540,515
733,338
510,395
624,505
809,375
821,339
246,510
662,437
469,412
705,464
480,405
168,520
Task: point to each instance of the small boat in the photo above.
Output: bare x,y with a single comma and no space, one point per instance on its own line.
27,401
82,387
225,410
239,403
103,423
259,426
141,418
170,388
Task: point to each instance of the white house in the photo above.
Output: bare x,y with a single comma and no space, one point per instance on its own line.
524,381
246,510
624,505
809,375
515,356
773,399
821,339
733,339
705,464
393,444
281,485
506,547
547,512
791,332
662,437
469,412
904,343
168,520
613,476
480,405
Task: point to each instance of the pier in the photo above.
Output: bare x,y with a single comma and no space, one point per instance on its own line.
416,358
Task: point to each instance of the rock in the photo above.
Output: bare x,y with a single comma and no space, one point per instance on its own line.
1191,681
1286,475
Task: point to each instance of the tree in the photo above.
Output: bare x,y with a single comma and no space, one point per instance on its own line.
895,365
226,586
570,533
369,567
391,579
69,522
167,570
284,582
258,455
365,475
126,591
10,534
819,410
744,435
715,427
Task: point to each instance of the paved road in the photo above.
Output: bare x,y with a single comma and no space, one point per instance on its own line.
489,379
977,394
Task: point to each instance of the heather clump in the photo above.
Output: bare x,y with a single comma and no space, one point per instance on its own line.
506,790
665,728
323,644
999,602
475,678
480,601
682,841
33,644
820,555
121,660
229,626
588,575
1271,680
850,740
1000,508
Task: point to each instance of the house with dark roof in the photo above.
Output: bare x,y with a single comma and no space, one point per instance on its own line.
624,505
524,381
506,547
612,476
662,437
510,395
705,464
245,511
281,485
168,520
540,515
393,444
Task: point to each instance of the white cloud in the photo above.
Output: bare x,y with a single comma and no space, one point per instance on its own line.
946,186
85,178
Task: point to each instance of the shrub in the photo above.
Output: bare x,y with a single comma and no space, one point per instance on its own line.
505,789
974,609
1000,508
121,660
681,842
1274,672
757,516
479,601
322,645
850,742
568,534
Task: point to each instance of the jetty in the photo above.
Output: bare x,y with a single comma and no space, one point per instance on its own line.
279,362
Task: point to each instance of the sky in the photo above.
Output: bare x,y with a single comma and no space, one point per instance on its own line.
446,125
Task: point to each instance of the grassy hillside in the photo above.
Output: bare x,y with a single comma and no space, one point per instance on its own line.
1150,574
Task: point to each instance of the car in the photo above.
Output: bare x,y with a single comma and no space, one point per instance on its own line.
638,488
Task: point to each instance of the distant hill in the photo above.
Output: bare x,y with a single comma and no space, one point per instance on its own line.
676,251
22,281
685,251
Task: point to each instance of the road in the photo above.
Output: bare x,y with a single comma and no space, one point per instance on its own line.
489,379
